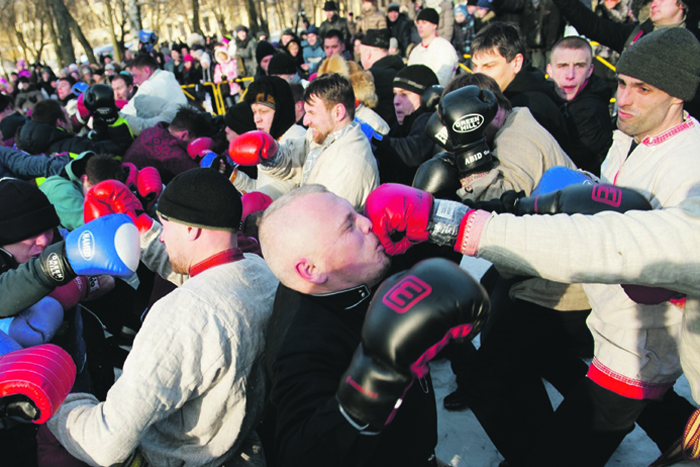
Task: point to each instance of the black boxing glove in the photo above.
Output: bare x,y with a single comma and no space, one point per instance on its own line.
431,97
583,199
99,99
439,177
503,205
466,112
437,132
412,316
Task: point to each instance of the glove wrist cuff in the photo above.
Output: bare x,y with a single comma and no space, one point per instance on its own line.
470,232
445,221
55,265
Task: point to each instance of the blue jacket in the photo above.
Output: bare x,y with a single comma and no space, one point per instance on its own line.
314,55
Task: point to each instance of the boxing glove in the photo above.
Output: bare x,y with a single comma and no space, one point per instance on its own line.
372,136
108,245
200,147
403,216
132,176
431,97
99,99
83,114
223,163
254,201
113,197
411,318
439,177
7,344
76,291
149,187
36,325
254,147
437,132
34,382
466,112
560,177
583,199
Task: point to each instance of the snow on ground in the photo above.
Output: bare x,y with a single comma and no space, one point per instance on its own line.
463,443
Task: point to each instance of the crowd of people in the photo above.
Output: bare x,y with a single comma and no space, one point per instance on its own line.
273,282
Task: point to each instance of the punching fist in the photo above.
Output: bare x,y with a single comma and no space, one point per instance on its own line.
108,245
149,187
113,197
403,216
34,382
411,318
99,99
200,147
466,112
439,177
77,290
252,148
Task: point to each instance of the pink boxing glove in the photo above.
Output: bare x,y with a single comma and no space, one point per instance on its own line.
132,175
253,202
43,374
149,186
253,148
83,113
200,146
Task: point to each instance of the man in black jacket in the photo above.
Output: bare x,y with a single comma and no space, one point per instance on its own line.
50,131
407,146
400,26
584,101
333,21
374,54
499,52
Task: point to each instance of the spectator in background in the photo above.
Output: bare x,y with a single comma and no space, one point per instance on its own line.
192,72
64,90
284,66
293,49
333,21
263,54
333,44
464,31
372,18
245,52
445,9
313,51
175,65
434,52
376,59
400,26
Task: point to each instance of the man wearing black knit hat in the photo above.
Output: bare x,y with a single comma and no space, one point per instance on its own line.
434,52
192,389
374,55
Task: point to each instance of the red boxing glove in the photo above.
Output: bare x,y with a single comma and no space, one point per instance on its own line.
132,175
200,146
83,113
252,148
113,197
120,103
43,374
150,186
73,292
400,216
252,202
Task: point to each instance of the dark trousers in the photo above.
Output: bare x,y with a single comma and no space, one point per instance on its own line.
503,385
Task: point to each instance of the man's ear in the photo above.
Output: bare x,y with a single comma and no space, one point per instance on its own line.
339,112
590,71
193,233
309,272
519,60
549,70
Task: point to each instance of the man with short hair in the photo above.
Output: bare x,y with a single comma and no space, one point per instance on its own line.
400,26
333,44
158,98
584,101
123,86
313,51
334,21
498,51
434,51
173,404
371,18
374,55
335,152
654,153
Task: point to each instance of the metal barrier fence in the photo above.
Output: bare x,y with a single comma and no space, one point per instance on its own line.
210,95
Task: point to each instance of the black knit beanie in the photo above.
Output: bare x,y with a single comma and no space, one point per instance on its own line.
282,64
24,211
263,49
668,59
239,118
203,198
415,78
378,38
430,15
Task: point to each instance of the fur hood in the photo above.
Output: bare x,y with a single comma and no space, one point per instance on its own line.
362,81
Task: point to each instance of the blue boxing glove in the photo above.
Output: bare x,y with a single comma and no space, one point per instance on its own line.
560,177
107,245
369,132
7,344
36,325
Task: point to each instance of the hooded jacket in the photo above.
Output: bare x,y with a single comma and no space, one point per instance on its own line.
65,192
245,52
42,138
314,55
278,89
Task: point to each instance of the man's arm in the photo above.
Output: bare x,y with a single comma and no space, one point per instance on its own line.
154,256
27,166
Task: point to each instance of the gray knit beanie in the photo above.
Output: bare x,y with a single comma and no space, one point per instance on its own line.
668,59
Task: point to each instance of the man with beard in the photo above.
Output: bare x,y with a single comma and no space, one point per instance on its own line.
334,153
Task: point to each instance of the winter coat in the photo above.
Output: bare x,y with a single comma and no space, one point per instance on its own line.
589,124
542,25
372,19
19,164
42,138
463,37
530,89
245,52
404,149
65,192
306,375
439,56
384,71
401,30
314,55
156,147
336,22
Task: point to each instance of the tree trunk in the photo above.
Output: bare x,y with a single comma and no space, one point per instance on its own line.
134,12
195,18
52,29
66,52
75,27
117,54
252,16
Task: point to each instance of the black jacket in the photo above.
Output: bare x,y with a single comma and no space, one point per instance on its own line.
315,351
21,285
401,30
530,89
404,149
336,22
42,138
384,71
589,124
